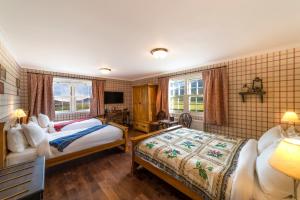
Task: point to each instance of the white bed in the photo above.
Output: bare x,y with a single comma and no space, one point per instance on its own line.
106,135
252,179
103,136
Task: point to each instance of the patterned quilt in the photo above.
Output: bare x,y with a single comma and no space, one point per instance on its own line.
202,161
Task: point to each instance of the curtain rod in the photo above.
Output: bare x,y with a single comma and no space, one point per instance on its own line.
198,70
65,76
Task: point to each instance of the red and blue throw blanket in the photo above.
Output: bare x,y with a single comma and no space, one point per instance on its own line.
60,125
63,142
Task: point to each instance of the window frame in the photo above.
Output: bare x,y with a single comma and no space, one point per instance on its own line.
72,82
169,98
189,94
186,103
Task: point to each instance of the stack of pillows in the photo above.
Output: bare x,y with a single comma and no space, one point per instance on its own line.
31,134
272,182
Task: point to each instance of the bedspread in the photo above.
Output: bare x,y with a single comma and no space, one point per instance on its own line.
202,161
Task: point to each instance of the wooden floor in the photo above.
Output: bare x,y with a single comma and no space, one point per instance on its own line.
105,175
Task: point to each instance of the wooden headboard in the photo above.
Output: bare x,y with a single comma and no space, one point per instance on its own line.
4,126
2,144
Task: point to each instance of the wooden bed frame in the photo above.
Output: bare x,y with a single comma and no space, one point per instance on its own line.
123,144
137,161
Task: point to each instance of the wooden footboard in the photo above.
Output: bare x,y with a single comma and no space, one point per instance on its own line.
123,128
125,134
79,154
137,161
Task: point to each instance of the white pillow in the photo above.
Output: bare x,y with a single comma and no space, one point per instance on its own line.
33,133
43,120
272,182
269,137
16,141
33,119
51,128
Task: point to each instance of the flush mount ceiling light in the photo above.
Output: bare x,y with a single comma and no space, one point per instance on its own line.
159,53
104,70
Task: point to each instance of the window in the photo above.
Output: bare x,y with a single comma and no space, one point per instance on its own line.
71,95
186,95
176,95
195,94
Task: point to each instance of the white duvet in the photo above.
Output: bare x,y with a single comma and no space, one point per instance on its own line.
243,185
243,179
105,135
81,124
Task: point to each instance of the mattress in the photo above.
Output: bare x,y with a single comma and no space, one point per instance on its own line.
16,158
105,135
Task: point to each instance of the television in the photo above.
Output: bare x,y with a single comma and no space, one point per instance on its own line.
113,97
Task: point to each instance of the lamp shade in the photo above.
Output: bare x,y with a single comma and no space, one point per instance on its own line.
20,113
290,117
286,157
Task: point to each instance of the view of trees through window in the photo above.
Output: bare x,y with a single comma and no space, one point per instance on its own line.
186,94
196,95
71,95
176,88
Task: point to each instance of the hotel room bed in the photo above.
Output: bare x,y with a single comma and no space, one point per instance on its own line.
202,165
109,136
105,135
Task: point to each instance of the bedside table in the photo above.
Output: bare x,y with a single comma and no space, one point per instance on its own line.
23,181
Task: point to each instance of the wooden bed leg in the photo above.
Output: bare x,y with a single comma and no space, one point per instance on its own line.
134,167
126,148
126,145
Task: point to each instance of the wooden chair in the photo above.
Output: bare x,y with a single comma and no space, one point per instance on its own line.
161,115
157,125
185,119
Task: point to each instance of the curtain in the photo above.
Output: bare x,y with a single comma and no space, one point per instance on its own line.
41,95
97,101
162,96
215,96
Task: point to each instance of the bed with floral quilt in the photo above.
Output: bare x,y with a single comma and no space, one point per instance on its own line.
200,161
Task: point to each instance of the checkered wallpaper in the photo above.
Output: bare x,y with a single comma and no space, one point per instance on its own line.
280,72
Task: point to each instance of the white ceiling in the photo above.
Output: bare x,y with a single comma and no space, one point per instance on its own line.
79,36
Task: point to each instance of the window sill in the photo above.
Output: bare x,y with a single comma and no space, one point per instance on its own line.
195,116
191,113
69,113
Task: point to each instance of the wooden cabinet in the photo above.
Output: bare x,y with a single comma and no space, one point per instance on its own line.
144,106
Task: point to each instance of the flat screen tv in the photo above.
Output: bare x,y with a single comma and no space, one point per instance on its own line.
113,97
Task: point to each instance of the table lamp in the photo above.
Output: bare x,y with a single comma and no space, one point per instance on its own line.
291,118
19,113
286,159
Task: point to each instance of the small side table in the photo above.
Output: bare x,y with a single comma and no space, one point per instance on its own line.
23,181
